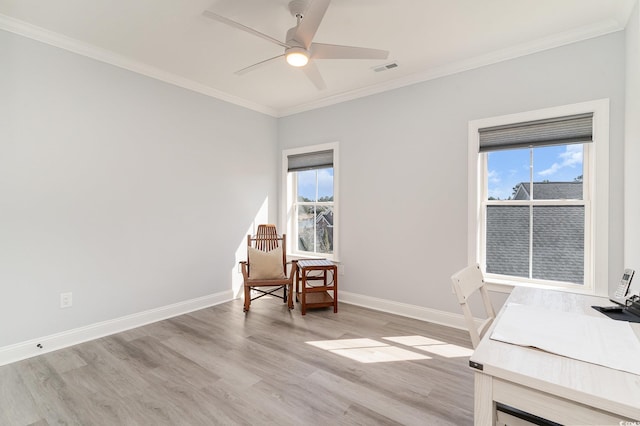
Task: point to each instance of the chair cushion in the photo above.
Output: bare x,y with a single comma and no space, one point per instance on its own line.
266,265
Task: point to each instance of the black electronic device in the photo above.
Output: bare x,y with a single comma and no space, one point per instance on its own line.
633,305
615,308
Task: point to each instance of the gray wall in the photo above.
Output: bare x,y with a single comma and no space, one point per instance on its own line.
632,145
131,193
403,163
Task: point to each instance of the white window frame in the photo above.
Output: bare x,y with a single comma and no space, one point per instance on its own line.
595,194
289,198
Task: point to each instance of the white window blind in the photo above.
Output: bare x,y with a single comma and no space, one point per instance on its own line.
310,161
553,131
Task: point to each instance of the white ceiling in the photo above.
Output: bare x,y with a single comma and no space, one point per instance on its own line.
172,40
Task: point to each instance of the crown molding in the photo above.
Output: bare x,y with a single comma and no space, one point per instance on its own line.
34,32
40,34
557,40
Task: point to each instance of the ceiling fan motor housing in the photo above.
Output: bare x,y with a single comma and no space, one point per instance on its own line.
291,40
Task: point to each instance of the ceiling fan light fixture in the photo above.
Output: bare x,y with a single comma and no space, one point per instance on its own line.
297,56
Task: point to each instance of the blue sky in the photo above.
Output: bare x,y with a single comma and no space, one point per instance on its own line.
307,183
508,168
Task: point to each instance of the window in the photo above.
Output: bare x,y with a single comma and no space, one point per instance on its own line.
311,200
536,209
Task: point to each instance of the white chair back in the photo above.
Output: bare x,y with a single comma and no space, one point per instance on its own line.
465,283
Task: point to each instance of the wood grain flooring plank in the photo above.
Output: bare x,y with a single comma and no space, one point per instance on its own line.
356,414
56,402
17,405
384,406
244,408
63,361
172,365
272,399
224,365
104,371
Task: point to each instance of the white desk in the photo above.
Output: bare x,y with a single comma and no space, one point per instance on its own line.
553,387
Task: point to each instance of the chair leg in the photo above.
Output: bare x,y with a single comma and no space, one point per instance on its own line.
247,298
290,299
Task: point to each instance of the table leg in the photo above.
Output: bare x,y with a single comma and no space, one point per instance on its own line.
334,271
484,409
297,280
303,297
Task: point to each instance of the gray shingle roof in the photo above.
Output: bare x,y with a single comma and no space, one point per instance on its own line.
549,191
558,236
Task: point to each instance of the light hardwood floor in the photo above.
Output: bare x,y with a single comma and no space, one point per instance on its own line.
220,366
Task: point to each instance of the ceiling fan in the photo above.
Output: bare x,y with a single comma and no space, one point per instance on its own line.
299,48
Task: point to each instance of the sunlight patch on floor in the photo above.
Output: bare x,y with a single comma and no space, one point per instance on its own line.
346,344
414,340
432,346
447,350
367,350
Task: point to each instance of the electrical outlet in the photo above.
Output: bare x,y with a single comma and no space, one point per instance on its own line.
66,300
341,270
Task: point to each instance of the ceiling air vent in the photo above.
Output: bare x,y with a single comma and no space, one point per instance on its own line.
390,66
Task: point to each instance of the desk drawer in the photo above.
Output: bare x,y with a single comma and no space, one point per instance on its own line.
551,407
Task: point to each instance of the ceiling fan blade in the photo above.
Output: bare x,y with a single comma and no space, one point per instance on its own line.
239,26
313,73
310,22
334,51
258,65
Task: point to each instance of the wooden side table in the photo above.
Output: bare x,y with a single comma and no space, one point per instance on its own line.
315,279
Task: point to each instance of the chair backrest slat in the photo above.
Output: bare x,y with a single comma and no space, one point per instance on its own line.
466,282
266,238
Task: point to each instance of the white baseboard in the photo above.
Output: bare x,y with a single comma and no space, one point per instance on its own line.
404,309
28,349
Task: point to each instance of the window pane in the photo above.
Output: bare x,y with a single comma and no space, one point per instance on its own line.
506,170
317,182
315,229
306,215
507,251
325,184
324,229
558,243
306,185
558,172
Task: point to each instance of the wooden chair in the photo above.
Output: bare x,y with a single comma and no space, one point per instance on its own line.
466,282
268,253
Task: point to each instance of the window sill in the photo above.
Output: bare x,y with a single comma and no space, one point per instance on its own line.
298,256
505,286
